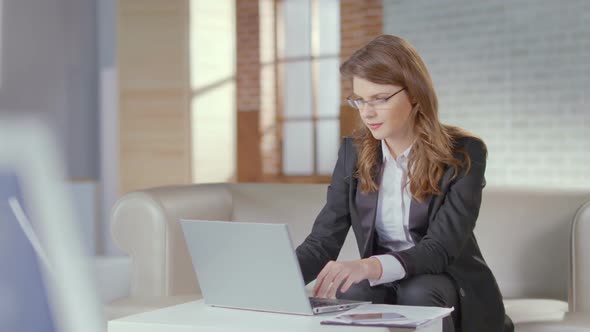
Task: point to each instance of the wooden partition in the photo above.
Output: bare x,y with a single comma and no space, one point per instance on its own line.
154,93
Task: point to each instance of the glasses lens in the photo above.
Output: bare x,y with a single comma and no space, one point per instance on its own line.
378,101
354,103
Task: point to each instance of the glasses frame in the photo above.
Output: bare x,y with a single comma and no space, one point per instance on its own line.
377,101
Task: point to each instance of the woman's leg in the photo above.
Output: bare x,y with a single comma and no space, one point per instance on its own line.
431,290
422,290
364,292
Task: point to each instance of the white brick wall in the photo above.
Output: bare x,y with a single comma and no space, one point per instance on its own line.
514,73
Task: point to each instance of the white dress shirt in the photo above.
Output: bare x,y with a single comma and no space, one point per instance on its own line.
393,214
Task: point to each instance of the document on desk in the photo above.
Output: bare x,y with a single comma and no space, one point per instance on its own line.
389,315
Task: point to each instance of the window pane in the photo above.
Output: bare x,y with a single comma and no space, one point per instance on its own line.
328,92
214,135
212,42
213,116
297,28
267,22
267,97
270,152
298,148
329,26
297,90
328,133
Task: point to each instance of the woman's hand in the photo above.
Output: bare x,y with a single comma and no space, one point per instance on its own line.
337,274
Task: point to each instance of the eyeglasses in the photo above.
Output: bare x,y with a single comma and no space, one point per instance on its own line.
358,103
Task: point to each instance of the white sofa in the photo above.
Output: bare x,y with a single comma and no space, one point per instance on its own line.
535,243
112,277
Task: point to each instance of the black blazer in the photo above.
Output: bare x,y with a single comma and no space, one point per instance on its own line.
441,227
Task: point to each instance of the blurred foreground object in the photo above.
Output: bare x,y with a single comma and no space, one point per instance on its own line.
45,284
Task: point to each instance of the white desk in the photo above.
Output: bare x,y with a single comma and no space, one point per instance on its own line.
197,317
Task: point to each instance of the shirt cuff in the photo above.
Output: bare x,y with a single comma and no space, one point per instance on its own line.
392,270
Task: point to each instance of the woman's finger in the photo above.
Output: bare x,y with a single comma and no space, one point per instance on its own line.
328,279
340,278
320,278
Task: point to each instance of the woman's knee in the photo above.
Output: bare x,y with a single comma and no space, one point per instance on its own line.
427,290
414,294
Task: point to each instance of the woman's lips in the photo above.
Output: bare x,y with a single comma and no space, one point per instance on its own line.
375,125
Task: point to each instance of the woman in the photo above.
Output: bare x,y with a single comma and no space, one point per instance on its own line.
410,187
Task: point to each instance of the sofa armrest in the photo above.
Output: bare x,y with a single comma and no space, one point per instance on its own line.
138,227
112,277
145,226
580,265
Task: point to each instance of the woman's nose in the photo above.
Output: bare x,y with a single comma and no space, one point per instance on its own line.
367,110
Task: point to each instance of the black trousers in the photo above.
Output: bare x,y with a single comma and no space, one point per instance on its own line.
421,290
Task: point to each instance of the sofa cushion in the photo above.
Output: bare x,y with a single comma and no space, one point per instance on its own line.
526,234
571,322
113,277
535,310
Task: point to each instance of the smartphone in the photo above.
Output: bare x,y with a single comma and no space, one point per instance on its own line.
373,317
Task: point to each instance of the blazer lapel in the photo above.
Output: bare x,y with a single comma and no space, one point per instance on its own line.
366,205
444,184
366,211
418,219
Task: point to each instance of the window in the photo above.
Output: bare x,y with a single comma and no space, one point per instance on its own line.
300,88
213,84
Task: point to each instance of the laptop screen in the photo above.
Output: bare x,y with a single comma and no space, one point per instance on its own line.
24,304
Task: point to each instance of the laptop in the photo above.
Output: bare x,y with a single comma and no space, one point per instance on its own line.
46,283
252,266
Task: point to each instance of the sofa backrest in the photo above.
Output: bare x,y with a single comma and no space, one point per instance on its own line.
524,235
525,238
295,204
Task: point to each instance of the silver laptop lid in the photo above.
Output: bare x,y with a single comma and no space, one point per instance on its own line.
246,265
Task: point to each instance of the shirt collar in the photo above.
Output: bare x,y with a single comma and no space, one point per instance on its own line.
387,155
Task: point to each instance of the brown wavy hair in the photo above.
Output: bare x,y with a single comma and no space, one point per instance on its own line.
392,60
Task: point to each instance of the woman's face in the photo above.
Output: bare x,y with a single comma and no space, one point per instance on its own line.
386,118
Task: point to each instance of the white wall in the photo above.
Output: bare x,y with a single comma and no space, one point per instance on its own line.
513,72
49,68
109,121
57,62
1,16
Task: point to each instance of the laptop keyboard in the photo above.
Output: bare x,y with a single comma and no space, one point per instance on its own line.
323,302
